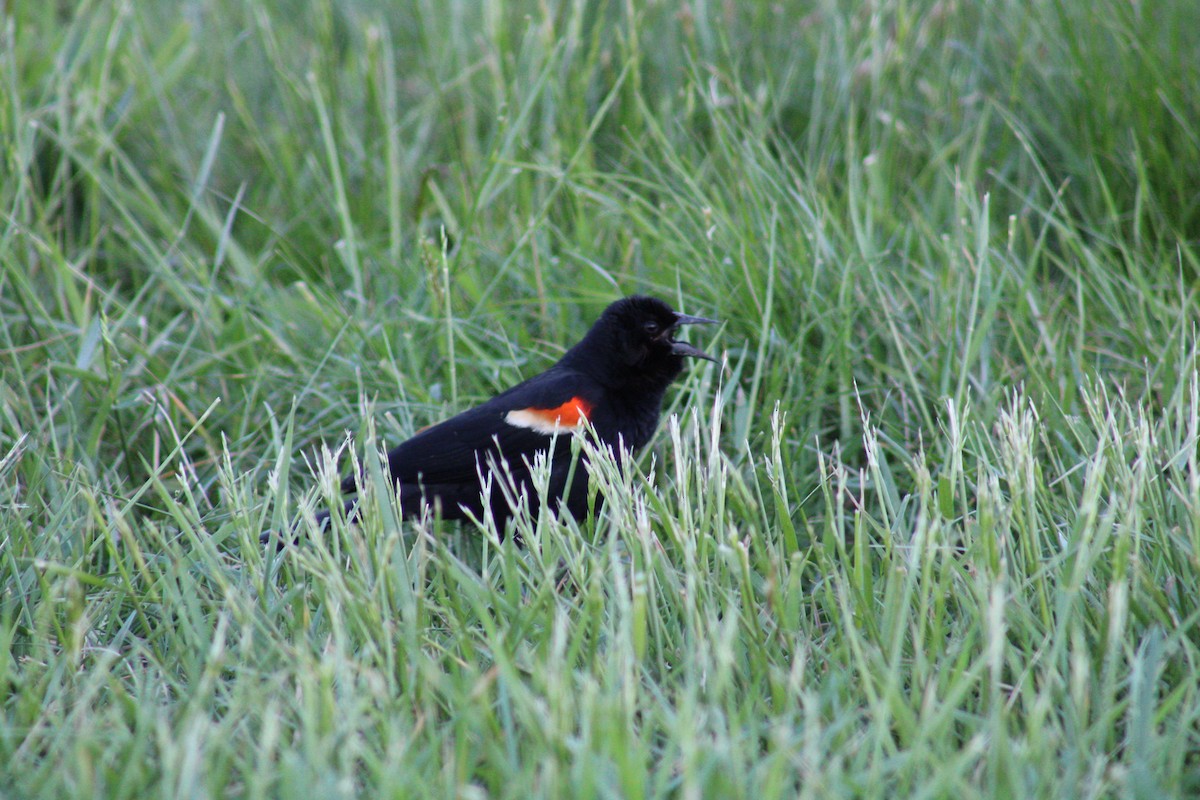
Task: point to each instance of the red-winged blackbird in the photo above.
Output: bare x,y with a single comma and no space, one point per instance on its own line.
614,379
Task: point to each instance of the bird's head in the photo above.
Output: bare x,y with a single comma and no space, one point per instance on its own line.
634,341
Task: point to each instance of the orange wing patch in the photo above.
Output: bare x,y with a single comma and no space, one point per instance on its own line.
569,415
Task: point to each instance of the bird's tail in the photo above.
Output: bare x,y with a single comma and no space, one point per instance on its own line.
293,537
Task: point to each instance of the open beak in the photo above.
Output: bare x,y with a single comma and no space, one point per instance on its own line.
685,349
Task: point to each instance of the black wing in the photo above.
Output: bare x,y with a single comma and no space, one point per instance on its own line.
452,453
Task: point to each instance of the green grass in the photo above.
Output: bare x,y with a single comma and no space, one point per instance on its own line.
932,530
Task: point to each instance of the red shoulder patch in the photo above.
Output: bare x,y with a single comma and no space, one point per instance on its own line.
570,414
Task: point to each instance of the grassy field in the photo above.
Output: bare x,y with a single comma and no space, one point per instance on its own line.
931,530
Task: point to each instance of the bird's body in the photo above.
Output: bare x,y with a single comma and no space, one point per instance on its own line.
613,380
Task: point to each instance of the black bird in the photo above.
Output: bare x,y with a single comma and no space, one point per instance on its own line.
615,379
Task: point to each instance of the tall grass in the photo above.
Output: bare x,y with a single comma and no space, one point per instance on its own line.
932,529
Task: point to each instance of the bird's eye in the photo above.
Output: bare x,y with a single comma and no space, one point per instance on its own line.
651,328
